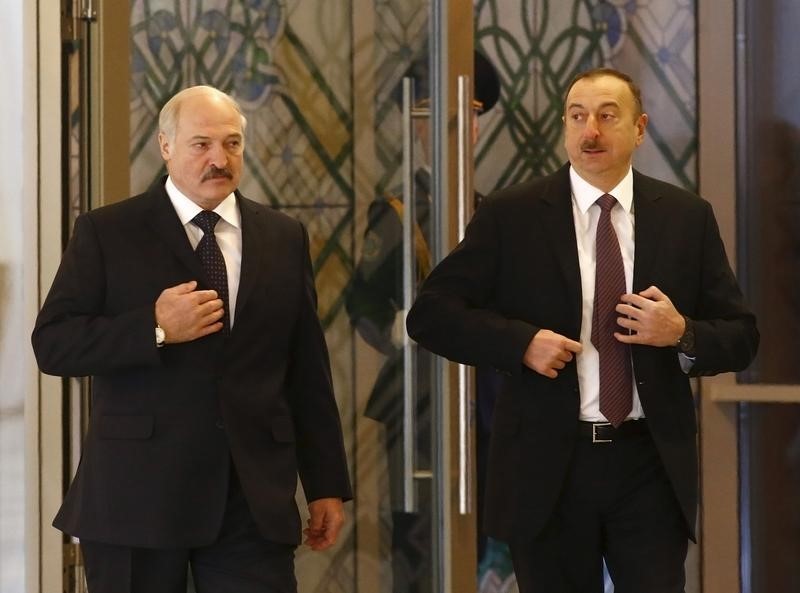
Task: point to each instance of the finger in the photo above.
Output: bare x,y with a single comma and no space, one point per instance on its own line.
629,311
209,322
178,289
549,373
565,356
572,346
330,538
316,537
313,534
634,338
319,544
209,329
653,293
204,296
208,312
311,538
313,531
627,338
183,288
211,308
636,300
628,323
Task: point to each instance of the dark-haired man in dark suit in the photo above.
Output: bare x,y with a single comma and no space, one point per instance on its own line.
194,311
598,291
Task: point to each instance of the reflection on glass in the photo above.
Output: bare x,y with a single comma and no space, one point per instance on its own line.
377,308
771,492
769,263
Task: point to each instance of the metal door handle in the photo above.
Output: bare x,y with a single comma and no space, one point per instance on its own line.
409,290
465,383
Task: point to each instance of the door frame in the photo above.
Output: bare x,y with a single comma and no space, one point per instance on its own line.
719,479
456,499
44,446
106,40
720,396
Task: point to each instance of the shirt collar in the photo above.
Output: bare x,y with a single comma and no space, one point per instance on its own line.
585,194
187,210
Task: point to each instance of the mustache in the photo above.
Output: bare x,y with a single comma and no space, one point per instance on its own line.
589,145
216,173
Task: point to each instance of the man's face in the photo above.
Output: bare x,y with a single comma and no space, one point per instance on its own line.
204,159
602,128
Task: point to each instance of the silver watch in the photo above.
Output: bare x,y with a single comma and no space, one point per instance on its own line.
160,336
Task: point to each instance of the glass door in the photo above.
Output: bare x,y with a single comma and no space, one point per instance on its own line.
357,127
768,155
413,468
749,425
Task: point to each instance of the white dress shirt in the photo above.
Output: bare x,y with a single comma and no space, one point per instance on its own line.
586,213
228,233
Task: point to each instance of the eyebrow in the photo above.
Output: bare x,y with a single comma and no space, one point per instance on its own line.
228,137
602,105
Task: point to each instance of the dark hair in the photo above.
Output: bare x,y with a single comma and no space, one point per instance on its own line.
597,72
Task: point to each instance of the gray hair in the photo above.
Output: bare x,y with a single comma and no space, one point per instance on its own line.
168,118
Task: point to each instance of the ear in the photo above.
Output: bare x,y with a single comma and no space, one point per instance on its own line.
641,124
164,146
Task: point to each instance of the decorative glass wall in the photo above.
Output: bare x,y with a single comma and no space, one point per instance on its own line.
539,45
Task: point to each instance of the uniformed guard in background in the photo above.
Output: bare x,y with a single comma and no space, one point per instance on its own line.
375,305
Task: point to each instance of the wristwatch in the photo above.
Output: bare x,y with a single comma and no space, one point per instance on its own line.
160,336
686,341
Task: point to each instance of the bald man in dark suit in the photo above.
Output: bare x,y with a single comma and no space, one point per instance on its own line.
211,384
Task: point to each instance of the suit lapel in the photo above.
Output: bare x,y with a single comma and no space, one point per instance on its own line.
254,235
559,223
164,222
650,221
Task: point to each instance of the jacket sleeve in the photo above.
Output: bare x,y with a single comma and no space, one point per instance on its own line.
74,334
322,463
726,337
453,314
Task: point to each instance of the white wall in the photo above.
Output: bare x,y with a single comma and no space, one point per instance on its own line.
18,285
12,329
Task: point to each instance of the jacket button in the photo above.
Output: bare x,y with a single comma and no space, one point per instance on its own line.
220,424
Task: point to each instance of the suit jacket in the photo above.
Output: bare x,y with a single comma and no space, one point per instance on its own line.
166,422
517,271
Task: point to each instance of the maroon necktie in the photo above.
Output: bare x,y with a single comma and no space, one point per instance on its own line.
616,391
213,263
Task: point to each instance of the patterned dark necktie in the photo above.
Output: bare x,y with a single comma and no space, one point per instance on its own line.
213,263
616,391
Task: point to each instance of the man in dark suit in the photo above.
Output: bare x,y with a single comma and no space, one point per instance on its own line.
570,485
211,383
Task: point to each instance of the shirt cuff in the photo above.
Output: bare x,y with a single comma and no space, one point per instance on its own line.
686,362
